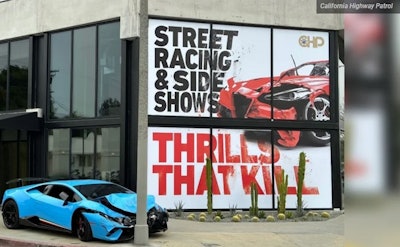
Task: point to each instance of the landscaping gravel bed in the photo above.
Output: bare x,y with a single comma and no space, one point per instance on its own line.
263,216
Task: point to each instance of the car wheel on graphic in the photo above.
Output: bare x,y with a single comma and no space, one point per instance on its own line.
319,111
83,230
11,215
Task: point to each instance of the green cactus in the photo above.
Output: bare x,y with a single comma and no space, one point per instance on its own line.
281,216
191,216
209,185
236,218
325,215
282,184
202,219
300,181
202,214
217,218
254,199
270,218
255,219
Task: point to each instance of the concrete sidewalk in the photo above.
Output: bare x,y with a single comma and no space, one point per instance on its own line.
184,233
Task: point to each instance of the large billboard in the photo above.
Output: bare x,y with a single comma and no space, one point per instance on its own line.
220,72
177,158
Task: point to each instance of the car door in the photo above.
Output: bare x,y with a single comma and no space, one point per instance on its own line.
56,206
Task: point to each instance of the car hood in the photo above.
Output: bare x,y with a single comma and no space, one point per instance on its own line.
128,202
306,81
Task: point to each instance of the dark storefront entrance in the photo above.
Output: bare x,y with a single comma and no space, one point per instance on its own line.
15,127
13,156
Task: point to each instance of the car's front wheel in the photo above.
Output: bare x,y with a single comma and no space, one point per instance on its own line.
83,230
317,111
11,215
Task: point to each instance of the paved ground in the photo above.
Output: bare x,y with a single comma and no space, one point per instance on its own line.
184,233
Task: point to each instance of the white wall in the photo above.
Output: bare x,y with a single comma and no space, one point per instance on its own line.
26,17
294,13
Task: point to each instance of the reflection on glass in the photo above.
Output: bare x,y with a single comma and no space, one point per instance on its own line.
82,153
23,159
19,60
3,75
109,70
84,162
60,75
84,67
108,154
58,153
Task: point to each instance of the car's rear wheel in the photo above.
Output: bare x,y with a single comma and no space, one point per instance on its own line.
11,215
83,230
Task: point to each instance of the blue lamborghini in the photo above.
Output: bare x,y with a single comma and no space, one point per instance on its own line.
88,208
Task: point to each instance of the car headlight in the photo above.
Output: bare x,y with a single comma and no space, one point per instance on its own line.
126,221
290,95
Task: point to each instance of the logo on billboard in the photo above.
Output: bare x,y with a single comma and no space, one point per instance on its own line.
311,41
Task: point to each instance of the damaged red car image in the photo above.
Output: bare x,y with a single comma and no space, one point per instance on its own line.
300,93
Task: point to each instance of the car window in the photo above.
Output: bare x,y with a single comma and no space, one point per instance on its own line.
92,191
61,192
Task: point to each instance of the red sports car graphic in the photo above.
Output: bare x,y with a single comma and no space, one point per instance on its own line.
300,93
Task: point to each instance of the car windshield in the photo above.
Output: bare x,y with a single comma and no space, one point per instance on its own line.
92,191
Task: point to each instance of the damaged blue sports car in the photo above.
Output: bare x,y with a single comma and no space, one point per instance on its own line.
88,208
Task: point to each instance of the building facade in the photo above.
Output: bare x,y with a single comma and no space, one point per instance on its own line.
223,81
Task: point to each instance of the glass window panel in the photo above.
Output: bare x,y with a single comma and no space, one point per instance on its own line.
23,159
9,160
19,61
58,153
3,75
109,70
84,72
60,75
82,153
108,154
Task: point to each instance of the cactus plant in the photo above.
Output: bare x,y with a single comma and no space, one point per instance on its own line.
282,184
270,218
281,216
310,214
202,218
300,181
254,199
209,185
261,214
191,217
236,218
255,219
202,214
325,215
217,218
219,214
289,215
